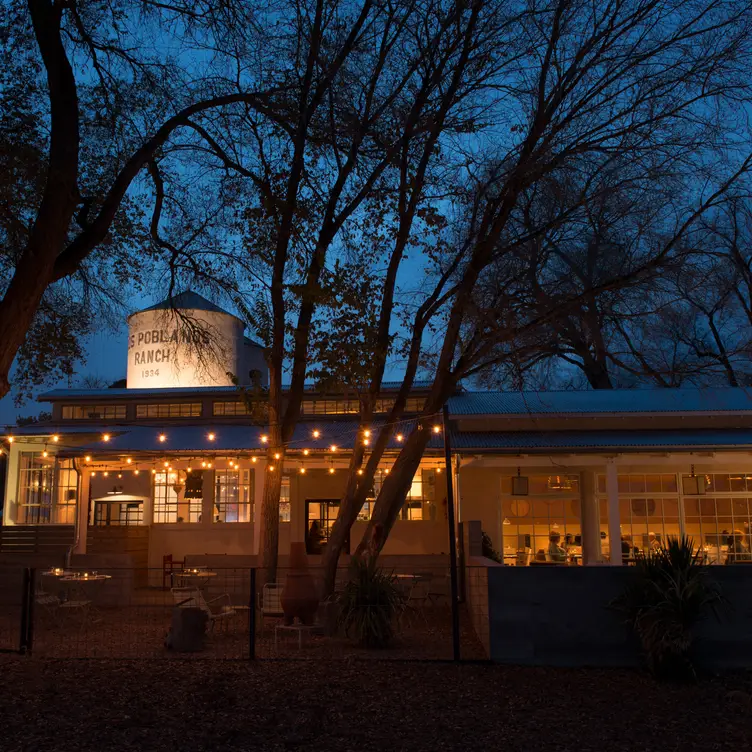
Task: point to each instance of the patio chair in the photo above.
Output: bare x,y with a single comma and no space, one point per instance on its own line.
270,605
169,567
48,603
193,598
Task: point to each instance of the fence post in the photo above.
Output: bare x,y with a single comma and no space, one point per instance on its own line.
27,612
252,618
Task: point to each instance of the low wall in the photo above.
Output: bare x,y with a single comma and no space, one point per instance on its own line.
559,616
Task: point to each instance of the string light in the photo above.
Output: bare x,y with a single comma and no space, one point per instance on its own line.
45,453
333,448
55,438
120,475
386,472
209,464
366,433
316,434
331,471
271,468
93,474
153,471
166,464
211,436
264,438
105,473
254,459
306,452
105,437
129,461
438,470
276,455
11,439
135,472
302,471
87,458
366,442
360,471
187,469
437,429
400,437
162,438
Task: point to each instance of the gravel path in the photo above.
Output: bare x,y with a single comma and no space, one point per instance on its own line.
359,705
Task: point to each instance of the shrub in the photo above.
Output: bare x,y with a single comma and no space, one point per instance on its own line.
670,593
369,604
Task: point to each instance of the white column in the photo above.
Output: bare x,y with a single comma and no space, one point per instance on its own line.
591,534
82,510
614,528
258,498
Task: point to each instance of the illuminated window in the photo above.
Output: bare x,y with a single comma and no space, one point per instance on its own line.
284,500
233,496
165,498
231,408
352,406
420,502
93,412
46,490
170,410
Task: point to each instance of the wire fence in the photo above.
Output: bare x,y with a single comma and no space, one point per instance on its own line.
234,614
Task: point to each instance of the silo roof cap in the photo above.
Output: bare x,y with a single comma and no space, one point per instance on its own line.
187,300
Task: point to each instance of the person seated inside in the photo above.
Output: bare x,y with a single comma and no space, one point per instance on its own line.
626,547
555,551
738,550
654,542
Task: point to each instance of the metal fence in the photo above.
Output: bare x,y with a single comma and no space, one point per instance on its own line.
229,614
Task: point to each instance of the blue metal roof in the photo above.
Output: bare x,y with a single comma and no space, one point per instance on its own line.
195,438
602,401
515,442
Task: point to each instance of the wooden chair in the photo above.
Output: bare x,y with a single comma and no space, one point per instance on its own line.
169,567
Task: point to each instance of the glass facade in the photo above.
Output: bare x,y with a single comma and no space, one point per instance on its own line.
165,504
352,406
47,490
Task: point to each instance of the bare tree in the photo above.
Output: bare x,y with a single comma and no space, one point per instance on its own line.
638,86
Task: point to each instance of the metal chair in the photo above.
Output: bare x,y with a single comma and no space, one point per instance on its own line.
270,605
193,598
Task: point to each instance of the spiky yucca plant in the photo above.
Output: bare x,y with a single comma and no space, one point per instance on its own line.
670,593
369,604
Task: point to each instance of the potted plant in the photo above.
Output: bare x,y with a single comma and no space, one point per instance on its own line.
369,604
670,592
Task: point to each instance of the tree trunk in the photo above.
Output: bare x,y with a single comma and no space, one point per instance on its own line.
597,375
395,488
270,516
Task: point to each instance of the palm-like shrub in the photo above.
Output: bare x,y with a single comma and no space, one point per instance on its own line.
369,604
670,593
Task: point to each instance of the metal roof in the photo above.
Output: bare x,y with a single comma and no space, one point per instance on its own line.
543,441
602,401
195,438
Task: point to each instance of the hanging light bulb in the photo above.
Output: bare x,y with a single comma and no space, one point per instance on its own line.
302,471
366,433
211,436
45,453
306,452
331,471
276,455
264,438
166,464
333,448
162,438
153,471
209,464
87,458
55,438
120,475
129,461
135,472
203,464
271,468
254,459
11,439
105,473
360,471
316,434
105,437
400,437
439,469
93,474
366,442
437,429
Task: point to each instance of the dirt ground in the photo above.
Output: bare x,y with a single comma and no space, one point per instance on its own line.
349,704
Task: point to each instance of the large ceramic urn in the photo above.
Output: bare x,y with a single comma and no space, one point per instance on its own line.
299,597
